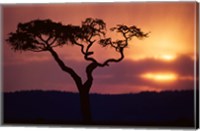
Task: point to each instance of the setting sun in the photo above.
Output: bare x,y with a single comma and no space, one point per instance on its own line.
168,57
160,76
165,57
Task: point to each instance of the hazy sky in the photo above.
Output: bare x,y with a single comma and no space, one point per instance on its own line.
163,61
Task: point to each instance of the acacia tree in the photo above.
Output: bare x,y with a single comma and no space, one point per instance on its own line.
45,35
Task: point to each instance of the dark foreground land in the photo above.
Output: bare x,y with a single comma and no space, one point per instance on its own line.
165,109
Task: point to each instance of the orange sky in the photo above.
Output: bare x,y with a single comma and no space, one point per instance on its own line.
170,45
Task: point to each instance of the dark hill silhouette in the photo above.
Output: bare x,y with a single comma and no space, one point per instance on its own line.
170,108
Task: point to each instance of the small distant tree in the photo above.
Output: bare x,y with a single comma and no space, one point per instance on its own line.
45,35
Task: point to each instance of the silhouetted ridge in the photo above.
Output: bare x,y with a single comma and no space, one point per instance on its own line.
169,108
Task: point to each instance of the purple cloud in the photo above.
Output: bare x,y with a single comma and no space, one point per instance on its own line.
48,76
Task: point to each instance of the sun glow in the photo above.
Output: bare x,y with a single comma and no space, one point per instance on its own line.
160,76
166,57
163,57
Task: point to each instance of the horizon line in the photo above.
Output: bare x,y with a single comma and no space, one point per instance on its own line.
95,93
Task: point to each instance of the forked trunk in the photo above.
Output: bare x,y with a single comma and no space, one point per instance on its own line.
85,107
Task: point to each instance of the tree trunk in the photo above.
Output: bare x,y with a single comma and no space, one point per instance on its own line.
85,107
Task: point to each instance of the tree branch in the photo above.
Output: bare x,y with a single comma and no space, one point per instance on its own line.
114,60
89,70
92,66
119,47
39,36
54,40
36,50
62,65
82,47
88,47
91,59
49,38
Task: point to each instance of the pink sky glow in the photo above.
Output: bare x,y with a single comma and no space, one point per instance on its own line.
163,61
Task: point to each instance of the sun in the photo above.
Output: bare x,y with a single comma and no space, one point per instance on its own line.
165,57
168,57
162,77
159,57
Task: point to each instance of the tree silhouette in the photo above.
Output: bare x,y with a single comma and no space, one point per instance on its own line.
45,35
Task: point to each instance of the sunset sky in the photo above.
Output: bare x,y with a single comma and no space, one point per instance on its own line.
163,61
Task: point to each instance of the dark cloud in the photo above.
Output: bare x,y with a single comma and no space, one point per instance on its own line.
47,74
183,65
128,72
